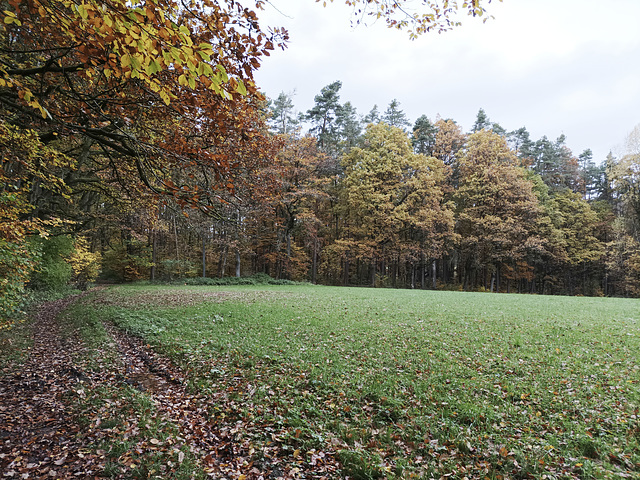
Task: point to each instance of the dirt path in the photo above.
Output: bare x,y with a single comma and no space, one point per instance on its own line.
37,440
40,436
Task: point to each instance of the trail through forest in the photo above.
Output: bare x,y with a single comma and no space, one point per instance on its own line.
57,421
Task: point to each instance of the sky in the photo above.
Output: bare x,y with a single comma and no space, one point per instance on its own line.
556,67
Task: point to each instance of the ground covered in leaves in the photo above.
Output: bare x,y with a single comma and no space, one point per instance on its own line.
88,401
320,382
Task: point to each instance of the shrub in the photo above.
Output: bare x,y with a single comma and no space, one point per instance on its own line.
52,271
17,261
122,264
84,263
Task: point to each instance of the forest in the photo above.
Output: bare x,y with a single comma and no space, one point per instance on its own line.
135,145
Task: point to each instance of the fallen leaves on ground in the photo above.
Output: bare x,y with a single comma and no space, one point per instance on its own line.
70,412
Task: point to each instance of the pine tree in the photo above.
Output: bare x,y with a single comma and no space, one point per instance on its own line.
372,117
283,118
482,122
323,117
394,116
349,126
424,136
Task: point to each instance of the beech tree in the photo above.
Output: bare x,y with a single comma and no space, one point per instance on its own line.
496,209
623,188
291,210
143,84
392,208
577,223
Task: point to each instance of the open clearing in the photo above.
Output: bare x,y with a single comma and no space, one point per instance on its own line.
323,382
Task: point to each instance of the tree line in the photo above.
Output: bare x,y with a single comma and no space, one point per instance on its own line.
375,200
135,144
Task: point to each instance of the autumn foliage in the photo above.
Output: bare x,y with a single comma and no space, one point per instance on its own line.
138,127
122,105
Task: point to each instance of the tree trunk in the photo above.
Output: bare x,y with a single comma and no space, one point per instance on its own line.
394,272
204,257
345,273
222,265
237,262
434,272
413,276
175,235
314,264
287,265
154,254
373,272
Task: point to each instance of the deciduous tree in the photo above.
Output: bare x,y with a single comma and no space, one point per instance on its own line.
497,209
392,202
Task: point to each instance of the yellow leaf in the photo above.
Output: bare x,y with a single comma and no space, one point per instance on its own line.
165,97
9,20
82,10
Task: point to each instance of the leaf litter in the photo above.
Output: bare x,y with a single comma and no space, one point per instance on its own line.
70,412
289,389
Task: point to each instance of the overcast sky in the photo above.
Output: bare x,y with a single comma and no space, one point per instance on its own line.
567,67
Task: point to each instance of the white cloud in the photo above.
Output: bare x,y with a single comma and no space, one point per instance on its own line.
556,67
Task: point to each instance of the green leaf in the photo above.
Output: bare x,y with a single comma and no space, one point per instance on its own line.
134,62
154,67
223,73
82,10
242,90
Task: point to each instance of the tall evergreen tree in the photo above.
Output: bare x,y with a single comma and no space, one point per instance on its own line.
424,136
394,116
283,118
323,116
372,117
482,122
520,142
557,166
349,126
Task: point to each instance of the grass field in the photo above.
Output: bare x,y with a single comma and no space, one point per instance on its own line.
405,384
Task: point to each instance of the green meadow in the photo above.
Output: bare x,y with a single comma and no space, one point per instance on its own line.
403,383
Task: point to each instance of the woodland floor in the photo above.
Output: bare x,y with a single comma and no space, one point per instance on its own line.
64,409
